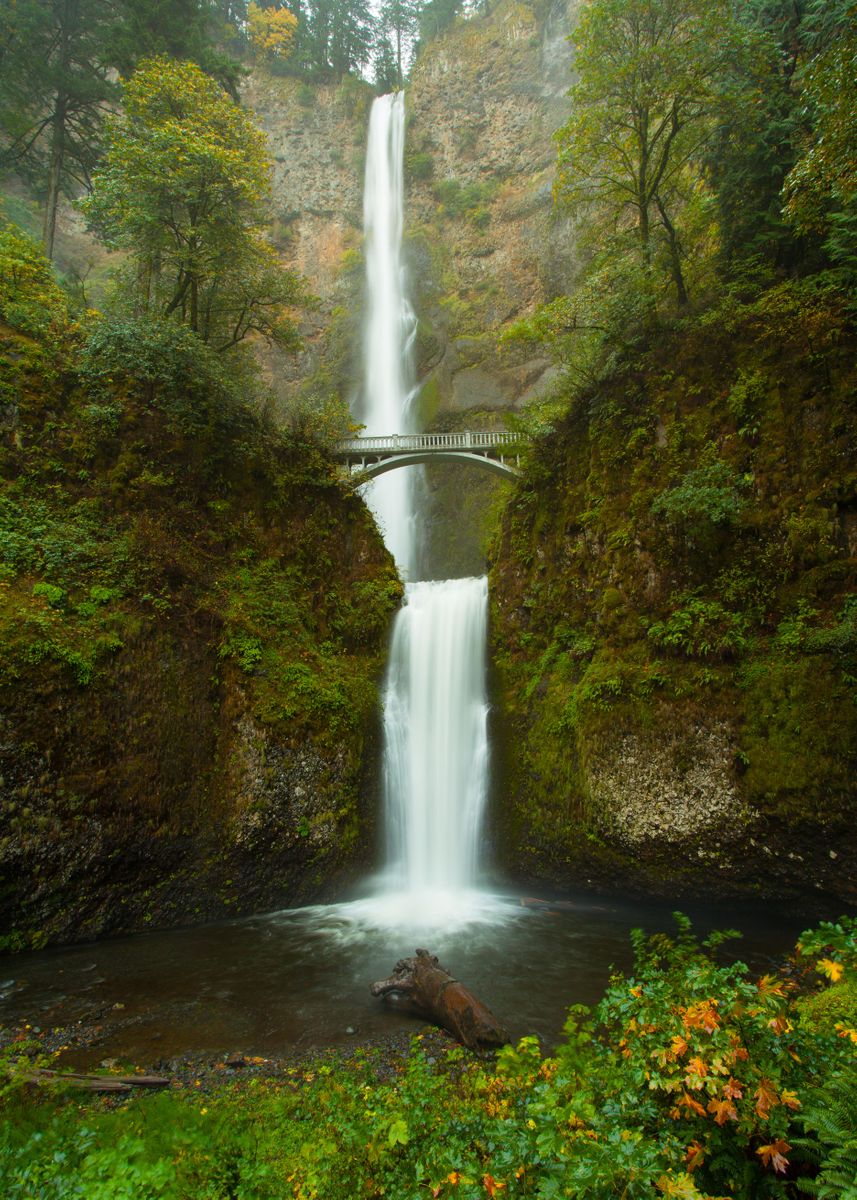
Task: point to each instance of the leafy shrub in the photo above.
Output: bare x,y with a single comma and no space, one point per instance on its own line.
689,1080
31,300
419,166
701,628
168,364
707,495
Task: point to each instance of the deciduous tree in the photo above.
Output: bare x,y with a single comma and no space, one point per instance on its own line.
183,189
650,76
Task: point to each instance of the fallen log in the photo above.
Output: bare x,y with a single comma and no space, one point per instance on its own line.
421,986
98,1083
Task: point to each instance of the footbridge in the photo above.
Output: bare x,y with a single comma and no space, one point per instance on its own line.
371,456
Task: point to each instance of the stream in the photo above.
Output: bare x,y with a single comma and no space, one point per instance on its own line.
292,981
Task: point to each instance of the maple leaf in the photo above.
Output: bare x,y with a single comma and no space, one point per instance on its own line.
694,1156
774,1155
680,1046
491,1184
843,1031
831,968
766,1098
789,1099
698,1067
780,1025
722,1110
702,1015
734,1089
688,1101
769,985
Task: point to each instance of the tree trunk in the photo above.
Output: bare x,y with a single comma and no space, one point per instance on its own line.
675,255
421,986
54,175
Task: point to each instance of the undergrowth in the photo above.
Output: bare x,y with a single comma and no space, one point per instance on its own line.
690,1079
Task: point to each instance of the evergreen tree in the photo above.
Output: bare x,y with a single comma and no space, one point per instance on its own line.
755,143
399,22
54,88
436,16
386,70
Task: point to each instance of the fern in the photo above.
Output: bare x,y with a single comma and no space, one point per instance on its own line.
831,1120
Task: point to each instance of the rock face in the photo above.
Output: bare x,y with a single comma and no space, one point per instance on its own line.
674,618
483,243
193,613
486,246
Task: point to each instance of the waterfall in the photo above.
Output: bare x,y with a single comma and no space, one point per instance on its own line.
390,324
435,704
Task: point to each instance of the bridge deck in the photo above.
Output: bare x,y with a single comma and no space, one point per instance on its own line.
403,442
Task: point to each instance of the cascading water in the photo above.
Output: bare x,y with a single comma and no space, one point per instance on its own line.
390,325
435,705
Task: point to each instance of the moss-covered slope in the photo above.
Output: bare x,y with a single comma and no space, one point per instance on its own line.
193,611
675,615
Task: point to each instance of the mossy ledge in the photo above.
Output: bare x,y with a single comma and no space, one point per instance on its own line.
193,614
675,618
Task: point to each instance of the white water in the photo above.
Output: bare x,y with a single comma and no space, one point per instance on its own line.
435,703
390,324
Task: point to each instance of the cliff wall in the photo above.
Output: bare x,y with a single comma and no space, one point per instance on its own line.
675,615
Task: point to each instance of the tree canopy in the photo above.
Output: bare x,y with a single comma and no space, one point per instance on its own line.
183,188
650,81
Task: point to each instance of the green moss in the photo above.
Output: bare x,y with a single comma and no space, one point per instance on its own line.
685,521
822,1012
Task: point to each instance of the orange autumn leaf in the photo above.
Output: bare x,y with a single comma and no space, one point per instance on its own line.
491,1184
702,1015
688,1101
780,1025
774,1155
769,985
697,1066
789,1099
680,1046
722,1110
831,968
694,1156
453,1177
734,1089
766,1098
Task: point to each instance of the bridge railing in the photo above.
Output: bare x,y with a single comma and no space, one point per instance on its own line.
463,440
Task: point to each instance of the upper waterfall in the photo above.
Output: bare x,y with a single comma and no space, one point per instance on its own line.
390,324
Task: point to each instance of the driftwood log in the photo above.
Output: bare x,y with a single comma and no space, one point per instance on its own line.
421,986
99,1083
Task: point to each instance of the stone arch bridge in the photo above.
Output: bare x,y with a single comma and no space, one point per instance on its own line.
371,456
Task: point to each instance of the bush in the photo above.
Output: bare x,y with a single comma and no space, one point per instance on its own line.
706,496
688,1080
168,365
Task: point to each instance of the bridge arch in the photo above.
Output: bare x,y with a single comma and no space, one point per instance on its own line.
495,450
414,458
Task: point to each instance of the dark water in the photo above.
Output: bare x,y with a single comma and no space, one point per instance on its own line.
297,979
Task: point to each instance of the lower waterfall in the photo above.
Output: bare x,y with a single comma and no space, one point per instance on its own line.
436,739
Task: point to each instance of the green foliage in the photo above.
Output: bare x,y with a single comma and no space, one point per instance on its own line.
31,300
706,496
688,1080
183,187
830,1122
701,628
464,199
170,366
419,166
651,76
820,191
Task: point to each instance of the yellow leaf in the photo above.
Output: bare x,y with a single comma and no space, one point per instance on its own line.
831,968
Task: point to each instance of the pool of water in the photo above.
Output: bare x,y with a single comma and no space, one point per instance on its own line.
298,979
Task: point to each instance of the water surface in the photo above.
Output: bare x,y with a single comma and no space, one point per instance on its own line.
299,979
